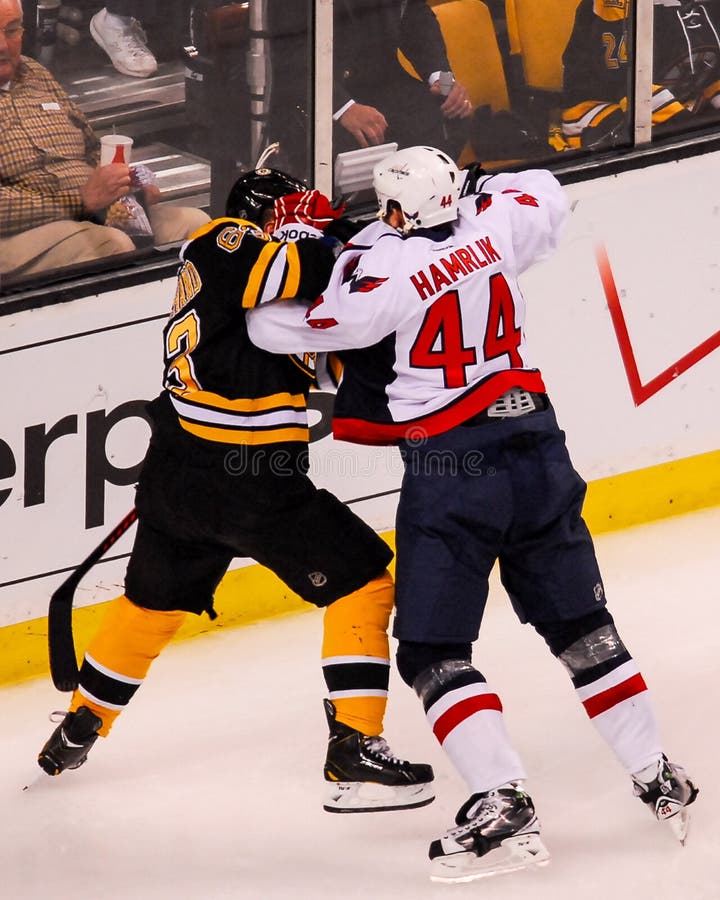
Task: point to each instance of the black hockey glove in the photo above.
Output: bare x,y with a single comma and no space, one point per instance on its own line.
343,229
474,172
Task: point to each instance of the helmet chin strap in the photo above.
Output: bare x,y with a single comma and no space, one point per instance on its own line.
266,154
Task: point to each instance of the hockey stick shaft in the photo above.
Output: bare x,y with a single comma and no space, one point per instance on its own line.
61,645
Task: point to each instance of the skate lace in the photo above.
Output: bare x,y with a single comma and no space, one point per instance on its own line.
670,781
379,747
484,810
487,810
56,716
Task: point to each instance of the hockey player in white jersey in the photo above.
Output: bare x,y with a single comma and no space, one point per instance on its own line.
430,293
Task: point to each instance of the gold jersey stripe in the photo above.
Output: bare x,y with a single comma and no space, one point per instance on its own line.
336,367
258,275
292,278
254,438
209,226
244,405
306,364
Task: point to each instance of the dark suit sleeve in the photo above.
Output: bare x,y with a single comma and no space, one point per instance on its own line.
421,39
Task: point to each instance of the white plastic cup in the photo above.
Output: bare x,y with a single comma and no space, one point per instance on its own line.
446,81
115,148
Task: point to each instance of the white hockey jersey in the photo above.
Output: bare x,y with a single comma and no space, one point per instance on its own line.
438,313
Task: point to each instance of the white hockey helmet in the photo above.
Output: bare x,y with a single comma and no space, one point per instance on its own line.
423,181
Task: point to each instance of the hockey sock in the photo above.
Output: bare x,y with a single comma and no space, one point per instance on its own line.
618,704
609,685
130,637
466,717
356,654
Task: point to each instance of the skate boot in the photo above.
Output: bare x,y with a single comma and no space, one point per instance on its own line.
668,792
364,776
497,831
70,743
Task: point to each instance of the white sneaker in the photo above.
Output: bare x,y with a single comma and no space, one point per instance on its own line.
126,45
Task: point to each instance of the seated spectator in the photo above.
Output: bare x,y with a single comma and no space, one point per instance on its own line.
686,68
53,194
375,99
117,29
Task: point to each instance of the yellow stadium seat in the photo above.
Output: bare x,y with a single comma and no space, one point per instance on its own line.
472,50
512,27
543,28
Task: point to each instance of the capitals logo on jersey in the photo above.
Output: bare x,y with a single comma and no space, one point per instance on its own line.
359,282
482,202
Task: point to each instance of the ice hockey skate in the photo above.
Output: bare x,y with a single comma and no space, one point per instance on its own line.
70,743
362,774
668,793
497,831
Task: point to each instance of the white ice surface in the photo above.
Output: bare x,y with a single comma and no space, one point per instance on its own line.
210,785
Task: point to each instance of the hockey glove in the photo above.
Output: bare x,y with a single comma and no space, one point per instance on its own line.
307,208
344,229
473,173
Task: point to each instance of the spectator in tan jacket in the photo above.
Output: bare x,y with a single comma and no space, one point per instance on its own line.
53,194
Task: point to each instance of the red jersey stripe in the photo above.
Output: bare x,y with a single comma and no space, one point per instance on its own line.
363,431
452,717
605,700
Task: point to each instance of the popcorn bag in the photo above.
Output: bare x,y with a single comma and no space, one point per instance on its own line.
129,213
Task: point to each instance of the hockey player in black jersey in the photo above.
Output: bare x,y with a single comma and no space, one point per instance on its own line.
225,476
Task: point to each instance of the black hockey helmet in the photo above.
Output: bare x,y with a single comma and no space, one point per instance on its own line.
257,190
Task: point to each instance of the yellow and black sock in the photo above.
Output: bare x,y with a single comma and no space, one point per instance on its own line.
356,654
130,637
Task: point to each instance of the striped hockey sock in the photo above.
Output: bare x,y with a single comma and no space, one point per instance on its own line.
356,655
618,704
466,717
119,656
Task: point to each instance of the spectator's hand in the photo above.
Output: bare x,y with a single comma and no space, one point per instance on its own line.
104,186
153,194
365,123
457,103
143,180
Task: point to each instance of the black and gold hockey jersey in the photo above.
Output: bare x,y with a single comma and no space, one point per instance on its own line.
595,59
597,76
222,388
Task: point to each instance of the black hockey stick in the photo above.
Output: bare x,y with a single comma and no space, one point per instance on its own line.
61,645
